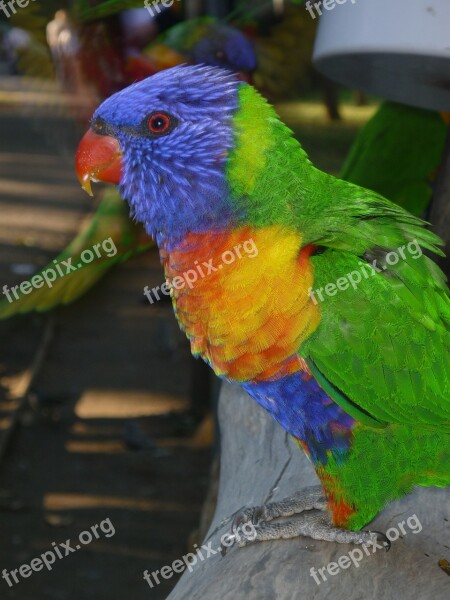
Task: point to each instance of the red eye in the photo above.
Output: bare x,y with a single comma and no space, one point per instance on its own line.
159,123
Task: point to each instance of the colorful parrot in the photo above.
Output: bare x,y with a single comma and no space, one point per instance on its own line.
108,68
336,322
276,61
204,40
397,154
106,65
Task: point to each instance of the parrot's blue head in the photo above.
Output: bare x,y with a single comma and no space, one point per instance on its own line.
166,140
226,47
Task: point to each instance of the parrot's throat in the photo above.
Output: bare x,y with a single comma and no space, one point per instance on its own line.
242,297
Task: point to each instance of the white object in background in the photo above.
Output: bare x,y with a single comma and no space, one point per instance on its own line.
397,49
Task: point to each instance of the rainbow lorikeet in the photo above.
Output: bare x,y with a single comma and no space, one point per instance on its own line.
205,40
277,61
397,154
357,372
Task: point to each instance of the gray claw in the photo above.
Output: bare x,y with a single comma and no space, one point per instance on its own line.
223,547
253,515
258,515
241,517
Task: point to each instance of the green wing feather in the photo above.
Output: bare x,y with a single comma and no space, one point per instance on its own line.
397,154
111,220
382,347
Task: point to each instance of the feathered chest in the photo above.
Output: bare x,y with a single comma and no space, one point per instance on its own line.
242,297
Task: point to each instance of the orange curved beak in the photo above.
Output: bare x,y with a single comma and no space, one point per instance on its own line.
98,158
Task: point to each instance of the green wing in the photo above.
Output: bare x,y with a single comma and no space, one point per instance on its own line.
397,153
110,222
382,349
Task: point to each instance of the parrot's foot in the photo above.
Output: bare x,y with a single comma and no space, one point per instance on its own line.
313,521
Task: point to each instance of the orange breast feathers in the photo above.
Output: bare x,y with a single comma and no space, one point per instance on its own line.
242,298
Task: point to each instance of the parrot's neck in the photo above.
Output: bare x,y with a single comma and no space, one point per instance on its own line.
251,173
262,276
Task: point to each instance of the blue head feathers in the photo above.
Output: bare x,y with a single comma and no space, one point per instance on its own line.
226,47
205,40
175,131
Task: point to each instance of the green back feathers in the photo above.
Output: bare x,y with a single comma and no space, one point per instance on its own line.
268,171
272,178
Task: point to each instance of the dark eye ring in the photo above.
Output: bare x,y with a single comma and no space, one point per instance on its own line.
160,123
99,126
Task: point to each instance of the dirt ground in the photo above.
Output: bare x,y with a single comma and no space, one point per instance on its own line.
104,437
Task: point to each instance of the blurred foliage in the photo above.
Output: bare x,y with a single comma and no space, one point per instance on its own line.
284,55
35,17
89,10
35,60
